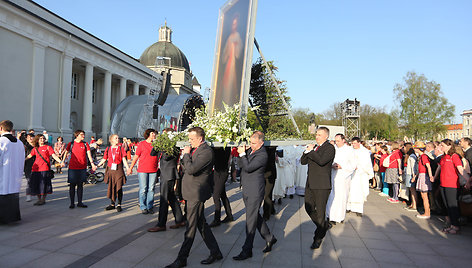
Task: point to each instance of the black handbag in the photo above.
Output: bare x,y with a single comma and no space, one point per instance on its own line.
50,172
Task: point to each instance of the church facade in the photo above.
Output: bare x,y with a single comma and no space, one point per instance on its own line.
58,77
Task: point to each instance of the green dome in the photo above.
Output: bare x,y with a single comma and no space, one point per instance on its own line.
164,49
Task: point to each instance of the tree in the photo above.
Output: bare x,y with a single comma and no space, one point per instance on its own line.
263,95
377,123
423,108
331,116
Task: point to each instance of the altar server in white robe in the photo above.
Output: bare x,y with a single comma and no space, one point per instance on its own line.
284,184
343,168
301,172
360,180
12,159
291,154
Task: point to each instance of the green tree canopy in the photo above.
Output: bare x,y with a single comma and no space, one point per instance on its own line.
331,116
424,110
270,108
377,123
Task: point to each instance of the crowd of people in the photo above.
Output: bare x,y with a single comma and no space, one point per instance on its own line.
336,181
434,174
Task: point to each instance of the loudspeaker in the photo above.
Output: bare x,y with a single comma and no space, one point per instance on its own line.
165,88
155,111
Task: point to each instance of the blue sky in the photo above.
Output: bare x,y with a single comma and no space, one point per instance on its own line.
327,51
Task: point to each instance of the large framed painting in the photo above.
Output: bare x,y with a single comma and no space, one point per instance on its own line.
233,55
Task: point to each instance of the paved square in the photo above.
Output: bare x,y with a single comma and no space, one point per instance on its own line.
53,235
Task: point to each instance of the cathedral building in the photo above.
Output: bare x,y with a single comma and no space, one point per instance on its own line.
57,77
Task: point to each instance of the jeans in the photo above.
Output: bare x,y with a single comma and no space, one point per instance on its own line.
396,190
384,184
146,189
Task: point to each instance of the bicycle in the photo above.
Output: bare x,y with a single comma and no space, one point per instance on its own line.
94,177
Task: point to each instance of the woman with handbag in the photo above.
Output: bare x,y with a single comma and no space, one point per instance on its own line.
450,167
114,173
394,171
41,173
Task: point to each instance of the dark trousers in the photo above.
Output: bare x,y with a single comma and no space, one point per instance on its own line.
219,193
315,206
168,198
196,220
449,196
80,192
9,208
254,221
268,206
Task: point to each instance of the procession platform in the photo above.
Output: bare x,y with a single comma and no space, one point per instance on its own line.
53,235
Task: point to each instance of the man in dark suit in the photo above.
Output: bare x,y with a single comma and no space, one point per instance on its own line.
168,168
219,190
253,164
319,158
197,165
466,144
270,176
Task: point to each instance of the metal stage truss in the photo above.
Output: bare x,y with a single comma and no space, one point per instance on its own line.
351,118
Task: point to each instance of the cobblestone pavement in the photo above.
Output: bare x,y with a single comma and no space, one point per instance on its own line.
53,235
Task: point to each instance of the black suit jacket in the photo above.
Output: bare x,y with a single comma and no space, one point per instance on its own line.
197,182
468,155
252,172
319,166
271,170
221,158
167,165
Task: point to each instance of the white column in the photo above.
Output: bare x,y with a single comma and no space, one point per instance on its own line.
37,86
147,90
106,106
122,88
87,107
136,89
65,96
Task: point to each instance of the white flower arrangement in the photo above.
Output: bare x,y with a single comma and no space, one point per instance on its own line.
222,126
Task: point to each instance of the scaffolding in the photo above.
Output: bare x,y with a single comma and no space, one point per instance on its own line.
351,117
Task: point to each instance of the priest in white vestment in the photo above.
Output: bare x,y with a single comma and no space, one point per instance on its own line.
343,168
12,160
360,180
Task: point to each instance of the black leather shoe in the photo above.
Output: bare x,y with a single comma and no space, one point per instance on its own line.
81,205
330,224
212,259
214,224
316,243
177,264
242,256
269,245
227,219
